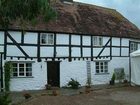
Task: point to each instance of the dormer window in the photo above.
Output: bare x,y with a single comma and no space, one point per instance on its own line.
47,38
97,41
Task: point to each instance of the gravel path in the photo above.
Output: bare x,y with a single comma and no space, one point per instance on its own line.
116,96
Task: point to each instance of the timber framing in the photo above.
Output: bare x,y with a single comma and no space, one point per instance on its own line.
19,45
1,71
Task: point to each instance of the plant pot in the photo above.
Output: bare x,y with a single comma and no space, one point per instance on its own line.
87,89
55,93
112,82
27,96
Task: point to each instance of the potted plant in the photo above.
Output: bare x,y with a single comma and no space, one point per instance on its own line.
112,81
73,84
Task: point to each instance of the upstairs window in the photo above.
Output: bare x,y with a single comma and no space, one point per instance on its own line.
47,38
133,46
101,67
21,69
97,41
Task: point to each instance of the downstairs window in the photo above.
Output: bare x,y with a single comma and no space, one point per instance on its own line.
101,67
21,69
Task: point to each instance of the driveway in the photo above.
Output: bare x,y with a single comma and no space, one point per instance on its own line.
115,96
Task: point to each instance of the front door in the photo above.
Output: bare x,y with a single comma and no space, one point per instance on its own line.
53,73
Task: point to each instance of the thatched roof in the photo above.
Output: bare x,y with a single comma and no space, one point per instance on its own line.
83,18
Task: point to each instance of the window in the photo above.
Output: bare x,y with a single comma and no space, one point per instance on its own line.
101,67
47,38
133,46
97,41
21,69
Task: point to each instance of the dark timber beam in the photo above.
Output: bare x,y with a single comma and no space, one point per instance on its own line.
70,48
38,48
5,44
54,50
110,48
91,48
1,72
81,45
120,46
103,48
14,41
22,36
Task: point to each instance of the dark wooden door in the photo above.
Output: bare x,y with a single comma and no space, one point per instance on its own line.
53,73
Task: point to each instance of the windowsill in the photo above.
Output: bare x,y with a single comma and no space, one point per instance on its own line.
21,77
101,73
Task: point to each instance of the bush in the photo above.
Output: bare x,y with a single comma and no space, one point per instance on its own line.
113,77
74,84
4,99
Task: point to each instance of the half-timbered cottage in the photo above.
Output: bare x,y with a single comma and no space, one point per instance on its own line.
85,41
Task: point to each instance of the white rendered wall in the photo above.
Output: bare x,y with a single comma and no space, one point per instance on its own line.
75,69
113,64
36,82
1,41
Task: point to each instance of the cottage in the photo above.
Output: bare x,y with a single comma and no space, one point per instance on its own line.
85,41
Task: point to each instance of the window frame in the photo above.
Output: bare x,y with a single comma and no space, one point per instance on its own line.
47,39
97,41
102,67
25,67
133,46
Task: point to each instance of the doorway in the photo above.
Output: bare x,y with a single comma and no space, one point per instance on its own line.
53,73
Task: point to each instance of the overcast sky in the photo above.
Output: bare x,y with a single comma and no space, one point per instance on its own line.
128,8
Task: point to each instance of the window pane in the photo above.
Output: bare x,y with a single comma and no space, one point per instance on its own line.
43,38
29,74
14,69
101,63
21,65
97,67
105,67
94,40
21,74
106,71
50,39
14,64
100,41
101,67
15,75
97,71
28,65
21,69
97,63
106,63
28,69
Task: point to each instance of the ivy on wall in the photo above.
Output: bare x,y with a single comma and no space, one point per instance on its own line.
7,73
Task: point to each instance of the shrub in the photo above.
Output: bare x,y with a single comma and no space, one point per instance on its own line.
73,84
113,77
4,99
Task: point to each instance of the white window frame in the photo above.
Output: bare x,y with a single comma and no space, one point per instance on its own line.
48,41
102,67
24,68
133,46
97,41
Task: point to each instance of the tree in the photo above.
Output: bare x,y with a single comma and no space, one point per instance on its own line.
24,10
